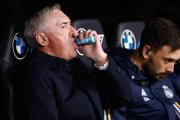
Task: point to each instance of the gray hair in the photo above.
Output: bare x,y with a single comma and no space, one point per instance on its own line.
33,23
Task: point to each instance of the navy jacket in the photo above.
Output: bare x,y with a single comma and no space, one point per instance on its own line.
151,100
175,79
59,90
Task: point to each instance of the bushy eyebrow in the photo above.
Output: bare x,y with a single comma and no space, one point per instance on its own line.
169,59
65,23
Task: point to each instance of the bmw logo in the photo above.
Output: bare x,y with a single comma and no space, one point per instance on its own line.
80,30
19,46
128,40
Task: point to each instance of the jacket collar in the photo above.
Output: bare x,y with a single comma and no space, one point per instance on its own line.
122,57
52,61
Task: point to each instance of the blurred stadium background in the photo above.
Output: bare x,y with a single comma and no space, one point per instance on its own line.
110,12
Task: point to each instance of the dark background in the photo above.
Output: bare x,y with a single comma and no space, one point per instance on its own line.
110,12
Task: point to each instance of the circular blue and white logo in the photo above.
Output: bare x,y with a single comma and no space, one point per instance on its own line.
128,40
80,30
167,91
20,48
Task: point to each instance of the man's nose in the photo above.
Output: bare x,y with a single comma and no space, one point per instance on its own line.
74,31
170,67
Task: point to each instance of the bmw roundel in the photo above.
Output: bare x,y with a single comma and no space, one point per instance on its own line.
80,30
128,39
19,46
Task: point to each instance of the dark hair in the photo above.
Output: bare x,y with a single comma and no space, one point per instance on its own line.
160,32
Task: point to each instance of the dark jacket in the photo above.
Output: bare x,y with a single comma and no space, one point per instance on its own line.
175,79
151,100
59,90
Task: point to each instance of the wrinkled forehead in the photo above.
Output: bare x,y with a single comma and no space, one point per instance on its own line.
58,15
176,54
166,52
53,18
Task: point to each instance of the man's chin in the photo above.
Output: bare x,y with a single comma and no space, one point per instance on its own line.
161,77
74,55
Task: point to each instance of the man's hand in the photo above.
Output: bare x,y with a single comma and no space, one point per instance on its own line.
93,51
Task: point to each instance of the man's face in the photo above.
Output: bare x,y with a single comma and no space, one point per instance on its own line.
60,34
161,63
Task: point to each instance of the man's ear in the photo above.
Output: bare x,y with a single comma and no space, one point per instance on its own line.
146,51
42,39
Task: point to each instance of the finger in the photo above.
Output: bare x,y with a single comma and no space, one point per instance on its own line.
87,33
92,33
81,35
